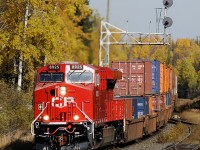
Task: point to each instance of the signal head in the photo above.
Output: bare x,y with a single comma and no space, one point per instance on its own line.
167,22
167,3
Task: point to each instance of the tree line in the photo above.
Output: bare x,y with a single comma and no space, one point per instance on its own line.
34,33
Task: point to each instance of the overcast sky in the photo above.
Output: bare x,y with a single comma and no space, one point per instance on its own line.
139,13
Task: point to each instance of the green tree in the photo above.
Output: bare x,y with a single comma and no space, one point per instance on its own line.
187,77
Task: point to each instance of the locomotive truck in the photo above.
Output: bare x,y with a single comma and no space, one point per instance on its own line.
78,107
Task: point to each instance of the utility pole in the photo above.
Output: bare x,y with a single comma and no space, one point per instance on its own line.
108,11
107,39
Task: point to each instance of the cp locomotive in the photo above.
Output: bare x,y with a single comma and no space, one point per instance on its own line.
79,107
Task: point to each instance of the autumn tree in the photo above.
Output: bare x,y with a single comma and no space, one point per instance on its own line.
56,31
187,77
95,34
186,58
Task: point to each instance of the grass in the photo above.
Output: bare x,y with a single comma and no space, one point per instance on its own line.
173,135
193,115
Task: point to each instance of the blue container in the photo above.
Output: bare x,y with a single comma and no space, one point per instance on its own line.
155,77
140,107
168,102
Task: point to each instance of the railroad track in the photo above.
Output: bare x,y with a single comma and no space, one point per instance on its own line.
180,146
175,121
186,147
147,142
174,146
150,143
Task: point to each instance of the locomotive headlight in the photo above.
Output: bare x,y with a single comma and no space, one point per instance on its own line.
45,118
76,117
63,90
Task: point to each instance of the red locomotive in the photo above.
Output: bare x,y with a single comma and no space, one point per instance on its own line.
75,108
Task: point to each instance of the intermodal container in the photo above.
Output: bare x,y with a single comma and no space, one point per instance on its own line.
164,78
150,100
136,78
168,100
140,78
162,102
172,99
140,107
167,78
155,77
156,102
173,89
161,78
171,80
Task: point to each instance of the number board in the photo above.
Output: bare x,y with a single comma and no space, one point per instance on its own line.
53,67
40,106
76,67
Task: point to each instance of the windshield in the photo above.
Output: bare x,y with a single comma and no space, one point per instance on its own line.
80,77
51,77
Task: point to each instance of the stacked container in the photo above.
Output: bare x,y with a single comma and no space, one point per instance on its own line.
155,102
141,107
147,83
168,100
136,78
155,77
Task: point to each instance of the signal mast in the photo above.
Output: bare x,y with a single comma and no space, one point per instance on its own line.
167,21
109,35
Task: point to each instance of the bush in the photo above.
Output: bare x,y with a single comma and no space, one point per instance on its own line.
173,134
15,109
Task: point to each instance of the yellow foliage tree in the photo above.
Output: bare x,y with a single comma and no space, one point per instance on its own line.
55,32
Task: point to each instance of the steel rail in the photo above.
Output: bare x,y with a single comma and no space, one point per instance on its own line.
176,144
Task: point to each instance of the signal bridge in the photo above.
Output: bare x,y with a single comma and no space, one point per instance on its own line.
112,35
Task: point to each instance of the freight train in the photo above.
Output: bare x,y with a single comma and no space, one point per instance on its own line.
81,106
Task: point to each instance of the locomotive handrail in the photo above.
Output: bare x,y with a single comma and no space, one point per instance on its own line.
32,124
87,117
